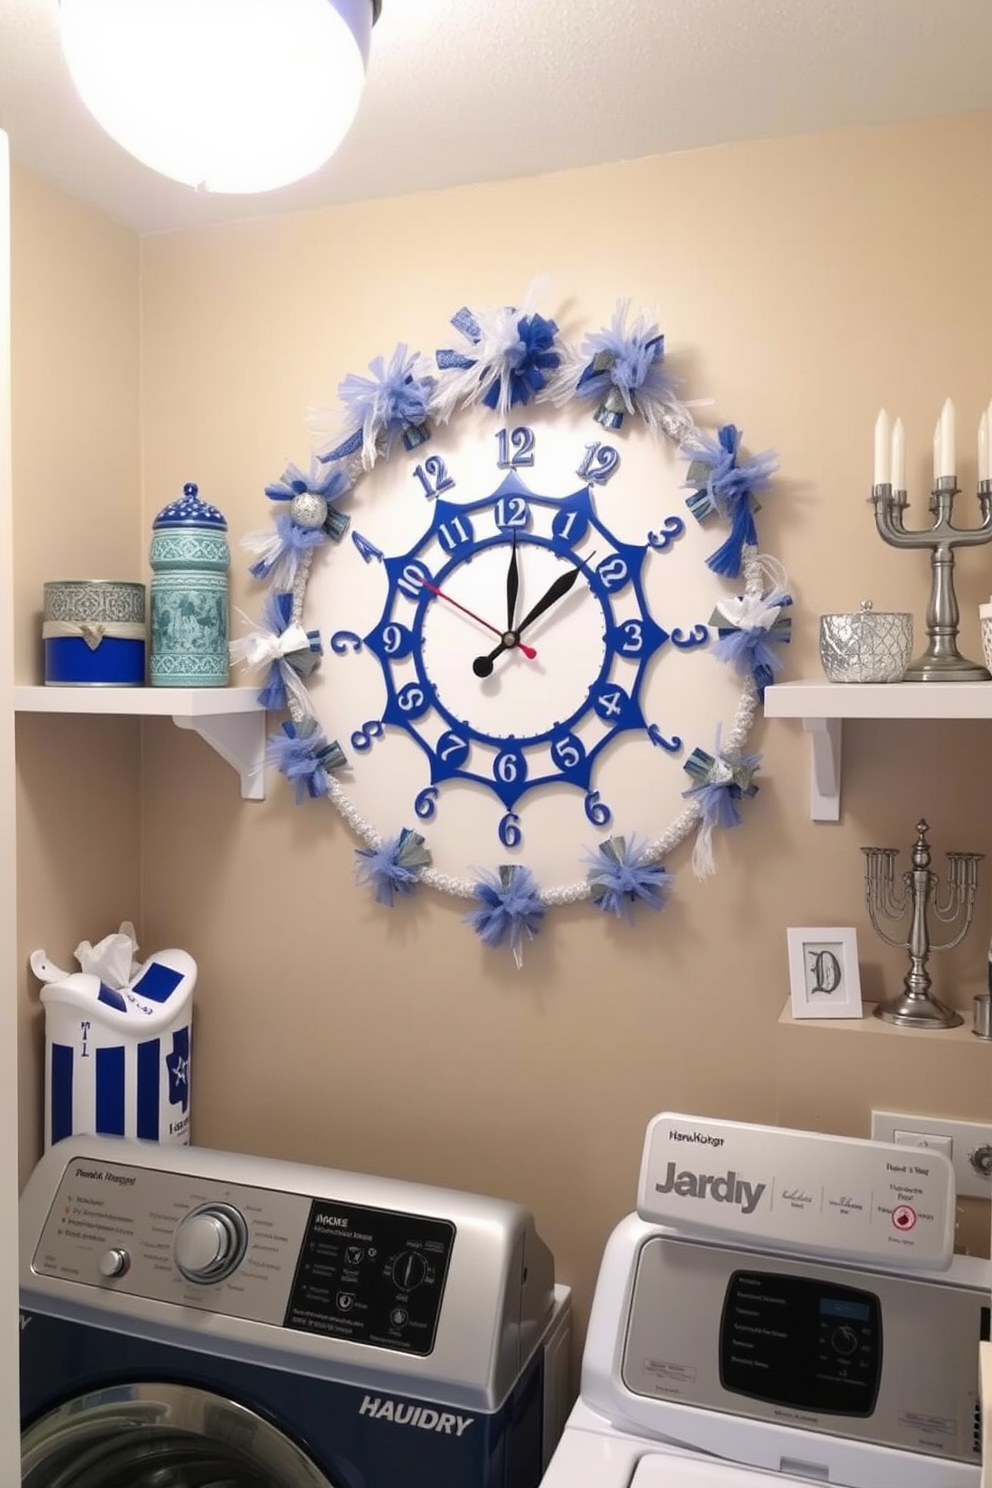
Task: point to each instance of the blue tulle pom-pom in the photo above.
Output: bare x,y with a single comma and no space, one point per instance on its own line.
749,628
721,781
388,408
395,867
510,907
723,485
621,877
304,756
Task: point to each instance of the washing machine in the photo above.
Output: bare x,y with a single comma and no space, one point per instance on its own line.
713,1363
200,1319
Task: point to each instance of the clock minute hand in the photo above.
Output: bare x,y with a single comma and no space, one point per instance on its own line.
482,666
558,590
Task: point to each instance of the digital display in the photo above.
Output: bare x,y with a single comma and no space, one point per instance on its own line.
793,1341
841,1307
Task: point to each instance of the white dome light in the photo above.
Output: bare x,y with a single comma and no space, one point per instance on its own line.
224,95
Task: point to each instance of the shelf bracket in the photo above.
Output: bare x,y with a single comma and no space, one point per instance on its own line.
826,739
239,738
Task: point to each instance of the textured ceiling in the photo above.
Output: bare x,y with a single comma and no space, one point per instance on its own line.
479,90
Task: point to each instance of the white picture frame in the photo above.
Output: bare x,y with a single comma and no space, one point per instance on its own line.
824,977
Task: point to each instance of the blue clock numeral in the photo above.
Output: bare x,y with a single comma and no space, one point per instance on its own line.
613,705
510,767
567,751
601,461
511,511
569,526
362,738
633,638
452,749
413,700
698,636
671,528
509,830
426,803
433,476
411,580
345,640
397,641
673,745
455,534
596,810
613,573
522,440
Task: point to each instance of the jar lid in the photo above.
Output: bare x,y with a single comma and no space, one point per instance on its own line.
867,614
189,511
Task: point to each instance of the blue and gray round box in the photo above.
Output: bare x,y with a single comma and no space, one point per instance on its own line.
94,633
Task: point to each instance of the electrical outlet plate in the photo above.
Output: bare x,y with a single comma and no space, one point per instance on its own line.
966,1138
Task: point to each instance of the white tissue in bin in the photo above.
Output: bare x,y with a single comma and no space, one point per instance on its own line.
118,1059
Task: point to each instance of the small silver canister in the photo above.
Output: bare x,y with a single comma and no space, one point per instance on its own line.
866,646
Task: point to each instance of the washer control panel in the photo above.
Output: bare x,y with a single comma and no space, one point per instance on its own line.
372,1275
310,1264
869,1356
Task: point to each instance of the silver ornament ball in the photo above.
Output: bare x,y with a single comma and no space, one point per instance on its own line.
308,510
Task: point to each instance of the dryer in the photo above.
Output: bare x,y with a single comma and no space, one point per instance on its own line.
208,1320
721,1360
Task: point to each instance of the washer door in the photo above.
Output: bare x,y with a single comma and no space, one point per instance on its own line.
160,1436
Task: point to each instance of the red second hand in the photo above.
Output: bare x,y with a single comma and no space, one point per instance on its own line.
528,651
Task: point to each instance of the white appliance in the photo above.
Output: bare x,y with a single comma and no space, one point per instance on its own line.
716,1362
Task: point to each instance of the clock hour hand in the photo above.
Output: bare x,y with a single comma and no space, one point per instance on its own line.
482,666
512,584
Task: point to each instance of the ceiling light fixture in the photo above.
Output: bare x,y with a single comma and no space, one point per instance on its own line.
224,95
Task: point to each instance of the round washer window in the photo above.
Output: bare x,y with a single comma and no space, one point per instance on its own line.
160,1436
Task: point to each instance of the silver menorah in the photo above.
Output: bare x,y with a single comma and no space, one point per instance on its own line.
915,1007
941,661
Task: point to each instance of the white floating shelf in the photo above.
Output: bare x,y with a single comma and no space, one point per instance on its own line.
823,706
228,718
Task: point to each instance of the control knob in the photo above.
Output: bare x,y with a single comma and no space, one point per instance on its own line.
845,1340
114,1262
210,1243
409,1270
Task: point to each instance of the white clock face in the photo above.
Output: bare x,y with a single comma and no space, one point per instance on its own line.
549,754
524,695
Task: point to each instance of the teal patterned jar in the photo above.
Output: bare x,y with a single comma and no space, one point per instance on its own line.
190,560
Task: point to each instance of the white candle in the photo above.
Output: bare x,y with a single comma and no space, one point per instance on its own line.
882,450
936,453
898,456
948,460
983,447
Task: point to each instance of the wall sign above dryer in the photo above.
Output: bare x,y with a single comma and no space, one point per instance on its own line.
538,654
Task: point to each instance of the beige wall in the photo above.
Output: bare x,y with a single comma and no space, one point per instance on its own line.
77,514
800,285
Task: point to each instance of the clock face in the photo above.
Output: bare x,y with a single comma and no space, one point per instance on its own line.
518,643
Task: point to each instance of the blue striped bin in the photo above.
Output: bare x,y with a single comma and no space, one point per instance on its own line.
117,1062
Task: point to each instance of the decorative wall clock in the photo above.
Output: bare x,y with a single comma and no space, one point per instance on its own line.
541,655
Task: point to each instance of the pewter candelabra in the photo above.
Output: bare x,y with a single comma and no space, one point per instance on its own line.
941,661
914,1007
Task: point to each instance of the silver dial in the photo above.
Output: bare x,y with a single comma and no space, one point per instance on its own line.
210,1243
